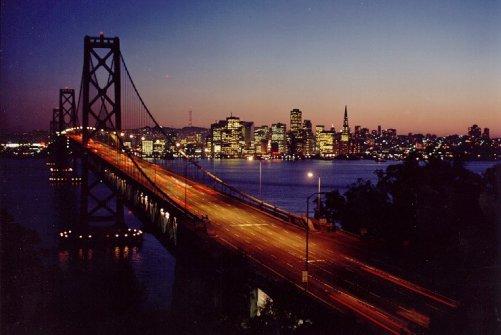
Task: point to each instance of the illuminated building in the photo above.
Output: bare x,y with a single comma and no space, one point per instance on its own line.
308,139
344,143
262,140
215,138
147,148
278,138
230,138
158,147
318,129
391,132
345,133
325,142
247,136
296,119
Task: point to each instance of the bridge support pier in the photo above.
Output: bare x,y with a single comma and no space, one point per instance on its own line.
99,204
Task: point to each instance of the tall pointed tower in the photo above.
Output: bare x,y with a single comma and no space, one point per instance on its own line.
345,133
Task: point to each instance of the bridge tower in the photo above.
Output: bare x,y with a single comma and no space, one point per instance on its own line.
101,110
67,109
54,123
101,86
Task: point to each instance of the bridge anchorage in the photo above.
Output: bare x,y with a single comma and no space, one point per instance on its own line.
185,200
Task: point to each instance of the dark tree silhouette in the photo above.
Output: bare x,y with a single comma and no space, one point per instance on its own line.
436,220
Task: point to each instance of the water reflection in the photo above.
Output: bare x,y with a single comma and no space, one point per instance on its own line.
130,289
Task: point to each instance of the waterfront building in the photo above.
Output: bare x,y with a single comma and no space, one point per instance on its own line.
247,136
278,139
318,129
147,148
296,120
230,138
308,143
262,137
344,145
214,140
158,147
325,140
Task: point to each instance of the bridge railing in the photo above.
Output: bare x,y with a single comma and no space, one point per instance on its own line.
223,187
136,172
217,183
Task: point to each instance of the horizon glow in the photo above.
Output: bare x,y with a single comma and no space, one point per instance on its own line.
418,66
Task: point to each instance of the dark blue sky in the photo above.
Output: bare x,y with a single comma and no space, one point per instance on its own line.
414,65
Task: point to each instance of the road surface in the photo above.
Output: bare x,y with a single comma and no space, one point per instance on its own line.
338,274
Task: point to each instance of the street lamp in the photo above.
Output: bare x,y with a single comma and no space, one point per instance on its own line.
260,178
307,228
185,180
311,175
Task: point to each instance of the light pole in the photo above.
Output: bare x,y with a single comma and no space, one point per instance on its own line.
178,145
185,179
307,228
311,175
260,178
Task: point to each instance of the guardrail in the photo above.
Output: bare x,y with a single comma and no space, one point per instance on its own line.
224,188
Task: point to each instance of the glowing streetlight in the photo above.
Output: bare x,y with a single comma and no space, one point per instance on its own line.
311,175
304,273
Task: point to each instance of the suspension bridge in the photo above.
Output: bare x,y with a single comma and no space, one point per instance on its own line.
100,124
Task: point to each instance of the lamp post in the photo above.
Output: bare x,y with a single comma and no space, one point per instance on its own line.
311,175
178,145
185,180
260,178
307,228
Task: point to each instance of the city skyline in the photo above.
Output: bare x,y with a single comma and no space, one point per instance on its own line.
250,167
415,68
337,126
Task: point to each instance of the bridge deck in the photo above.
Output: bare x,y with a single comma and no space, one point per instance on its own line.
338,273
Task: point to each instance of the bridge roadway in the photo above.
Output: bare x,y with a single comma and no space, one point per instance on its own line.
339,276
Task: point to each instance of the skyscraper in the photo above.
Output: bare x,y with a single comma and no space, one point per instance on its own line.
345,133
308,139
296,120
228,137
278,138
486,133
344,143
147,148
262,136
325,142
318,129
474,131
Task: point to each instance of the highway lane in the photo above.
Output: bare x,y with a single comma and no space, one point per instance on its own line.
339,275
